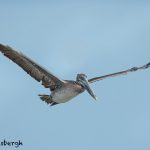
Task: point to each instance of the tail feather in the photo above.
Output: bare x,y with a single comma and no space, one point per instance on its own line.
47,99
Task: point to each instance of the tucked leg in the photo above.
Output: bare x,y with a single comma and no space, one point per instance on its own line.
54,103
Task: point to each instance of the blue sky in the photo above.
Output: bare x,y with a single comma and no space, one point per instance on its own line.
70,37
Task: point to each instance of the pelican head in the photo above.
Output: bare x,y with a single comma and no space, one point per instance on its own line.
82,79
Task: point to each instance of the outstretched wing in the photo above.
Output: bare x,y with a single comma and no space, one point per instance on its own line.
119,73
32,68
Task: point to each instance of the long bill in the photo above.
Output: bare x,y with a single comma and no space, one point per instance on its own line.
86,85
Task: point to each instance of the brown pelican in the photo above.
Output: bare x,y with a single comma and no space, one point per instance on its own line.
61,90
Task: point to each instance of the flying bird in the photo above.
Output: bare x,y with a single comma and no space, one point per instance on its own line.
61,90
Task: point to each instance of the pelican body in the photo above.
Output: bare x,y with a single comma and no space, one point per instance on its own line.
66,92
61,90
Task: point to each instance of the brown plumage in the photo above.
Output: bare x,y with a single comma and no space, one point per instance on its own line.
125,72
33,69
61,90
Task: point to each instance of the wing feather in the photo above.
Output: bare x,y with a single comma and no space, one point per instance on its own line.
32,68
125,72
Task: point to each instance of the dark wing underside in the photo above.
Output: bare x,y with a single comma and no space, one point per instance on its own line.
119,73
32,68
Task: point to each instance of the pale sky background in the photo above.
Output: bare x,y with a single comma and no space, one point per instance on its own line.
70,37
